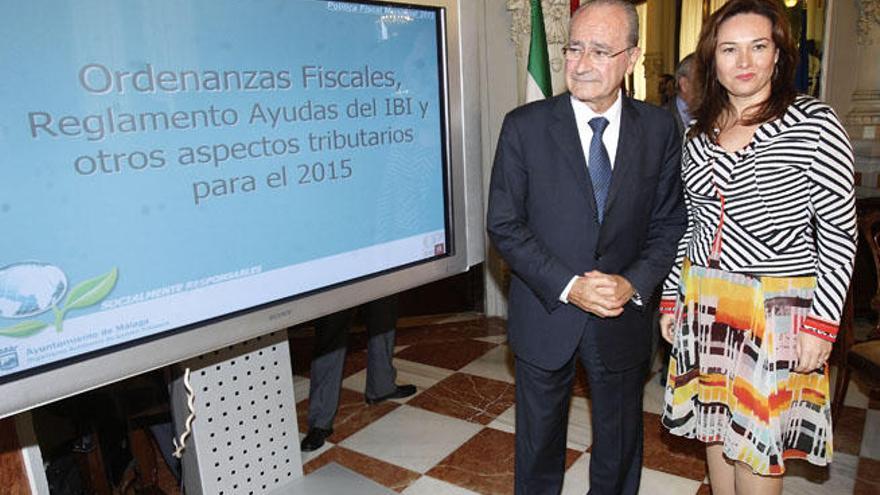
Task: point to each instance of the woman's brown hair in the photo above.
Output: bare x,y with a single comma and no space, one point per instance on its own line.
713,99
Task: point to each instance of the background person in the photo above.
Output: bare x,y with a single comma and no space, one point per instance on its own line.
684,98
679,107
331,342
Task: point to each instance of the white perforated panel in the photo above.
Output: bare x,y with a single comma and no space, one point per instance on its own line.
245,435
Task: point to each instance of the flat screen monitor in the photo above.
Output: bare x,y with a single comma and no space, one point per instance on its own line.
177,176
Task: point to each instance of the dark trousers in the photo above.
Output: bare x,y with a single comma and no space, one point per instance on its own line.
542,403
331,341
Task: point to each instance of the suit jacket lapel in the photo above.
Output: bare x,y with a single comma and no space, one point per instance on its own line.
628,151
565,134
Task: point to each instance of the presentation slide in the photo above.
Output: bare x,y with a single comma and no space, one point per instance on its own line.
163,163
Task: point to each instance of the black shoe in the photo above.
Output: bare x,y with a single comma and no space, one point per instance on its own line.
400,392
315,439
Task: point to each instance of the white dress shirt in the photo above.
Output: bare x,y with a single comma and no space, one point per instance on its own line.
582,115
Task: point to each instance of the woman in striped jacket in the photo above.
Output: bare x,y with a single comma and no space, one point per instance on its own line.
754,301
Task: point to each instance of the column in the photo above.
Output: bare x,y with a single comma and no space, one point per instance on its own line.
658,45
863,120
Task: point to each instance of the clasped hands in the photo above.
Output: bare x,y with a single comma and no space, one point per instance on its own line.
600,293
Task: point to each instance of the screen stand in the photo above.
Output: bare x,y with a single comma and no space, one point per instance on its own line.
31,456
244,436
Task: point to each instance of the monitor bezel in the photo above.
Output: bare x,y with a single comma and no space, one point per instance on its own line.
45,384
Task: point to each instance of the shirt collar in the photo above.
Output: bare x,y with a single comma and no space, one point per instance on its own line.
583,112
682,110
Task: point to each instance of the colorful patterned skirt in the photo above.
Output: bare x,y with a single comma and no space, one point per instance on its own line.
730,378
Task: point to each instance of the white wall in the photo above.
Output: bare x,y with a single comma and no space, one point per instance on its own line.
840,54
498,80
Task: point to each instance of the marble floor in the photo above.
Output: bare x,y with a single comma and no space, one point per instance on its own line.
455,436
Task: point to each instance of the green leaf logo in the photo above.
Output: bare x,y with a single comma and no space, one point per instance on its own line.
91,291
85,294
23,329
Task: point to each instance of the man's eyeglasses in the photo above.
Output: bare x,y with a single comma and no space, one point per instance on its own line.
596,55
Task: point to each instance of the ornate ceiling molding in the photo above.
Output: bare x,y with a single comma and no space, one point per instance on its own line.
869,19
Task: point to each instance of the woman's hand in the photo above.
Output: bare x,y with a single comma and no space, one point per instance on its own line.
812,352
667,324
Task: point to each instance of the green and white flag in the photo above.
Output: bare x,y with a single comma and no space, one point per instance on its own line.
538,82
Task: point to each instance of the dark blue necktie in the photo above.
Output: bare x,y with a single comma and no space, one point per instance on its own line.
599,164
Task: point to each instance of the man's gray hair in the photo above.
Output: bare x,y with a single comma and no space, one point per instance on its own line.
684,68
632,16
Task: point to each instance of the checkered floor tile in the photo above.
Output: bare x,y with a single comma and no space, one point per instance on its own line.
456,435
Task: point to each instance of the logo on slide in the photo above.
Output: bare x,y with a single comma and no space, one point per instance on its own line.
8,359
31,288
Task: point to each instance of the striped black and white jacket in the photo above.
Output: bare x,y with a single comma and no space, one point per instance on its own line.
789,208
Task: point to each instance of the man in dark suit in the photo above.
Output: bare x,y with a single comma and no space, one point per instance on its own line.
585,205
